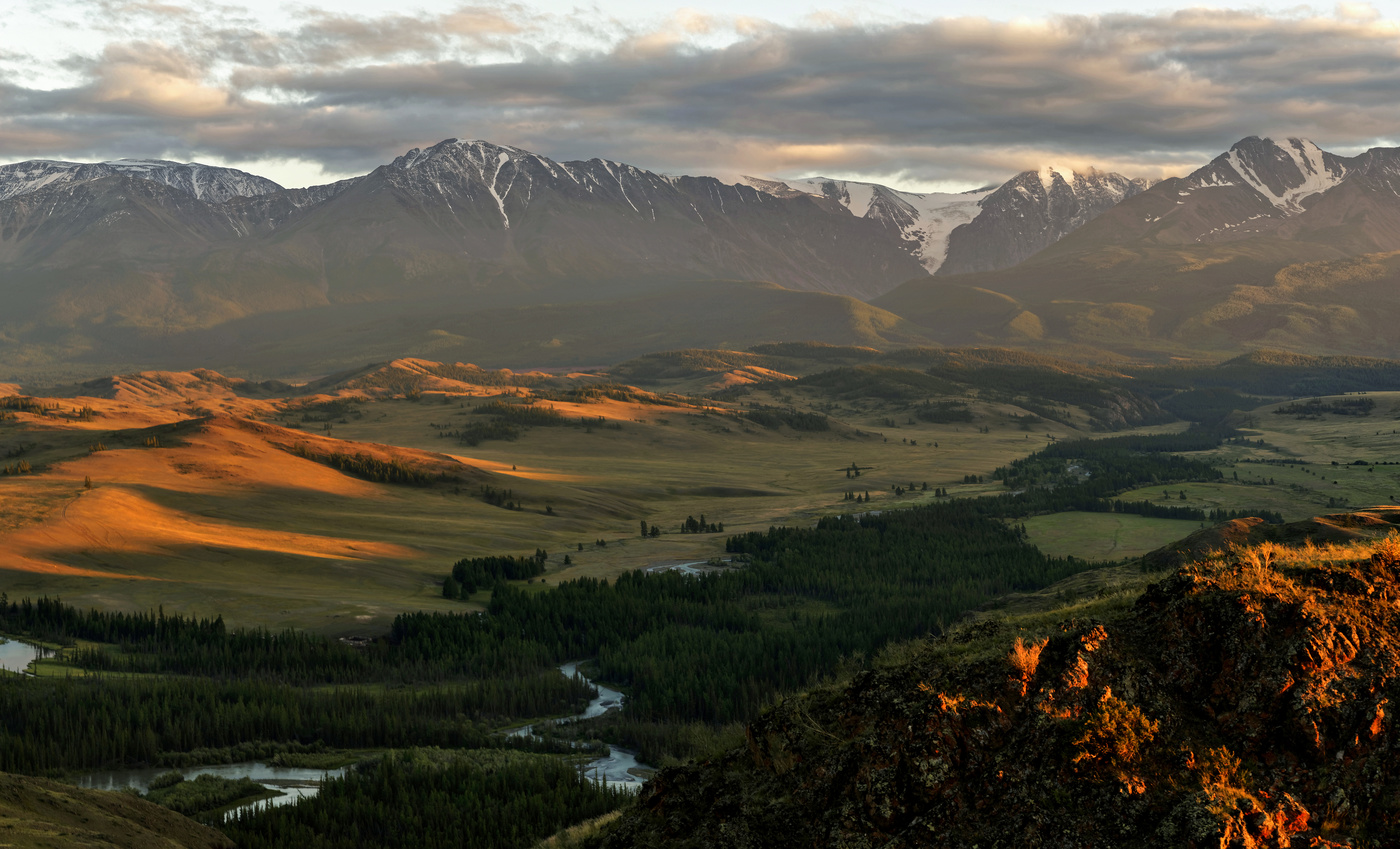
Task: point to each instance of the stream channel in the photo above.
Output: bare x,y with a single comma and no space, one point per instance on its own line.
615,768
296,783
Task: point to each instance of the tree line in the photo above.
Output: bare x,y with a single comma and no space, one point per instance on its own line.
427,800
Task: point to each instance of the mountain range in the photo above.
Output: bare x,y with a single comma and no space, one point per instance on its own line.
137,262
126,261
1273,244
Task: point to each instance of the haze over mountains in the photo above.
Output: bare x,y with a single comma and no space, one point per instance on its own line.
142,262
1272,244
981,230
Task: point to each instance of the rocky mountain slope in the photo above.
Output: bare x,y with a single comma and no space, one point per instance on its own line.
1289,188
1031,212
1272,245
982,230
117,265
1244,701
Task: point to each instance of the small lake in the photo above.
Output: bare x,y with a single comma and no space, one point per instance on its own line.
613,768
294,783
16,656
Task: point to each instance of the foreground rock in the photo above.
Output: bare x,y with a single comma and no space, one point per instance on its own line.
1245,701
36,812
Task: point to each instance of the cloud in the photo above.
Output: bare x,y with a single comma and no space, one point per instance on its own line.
966,100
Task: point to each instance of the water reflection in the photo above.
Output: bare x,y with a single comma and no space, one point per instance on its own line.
293,782
16,656
614,768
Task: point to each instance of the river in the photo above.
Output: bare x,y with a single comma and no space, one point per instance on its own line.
294,783
16,656
614,768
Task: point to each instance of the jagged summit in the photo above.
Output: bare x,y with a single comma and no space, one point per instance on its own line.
1285,174
1031,212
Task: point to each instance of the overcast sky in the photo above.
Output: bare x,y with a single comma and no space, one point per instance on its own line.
917,95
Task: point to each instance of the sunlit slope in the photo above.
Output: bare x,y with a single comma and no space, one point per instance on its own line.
339,503
1242,700
218,512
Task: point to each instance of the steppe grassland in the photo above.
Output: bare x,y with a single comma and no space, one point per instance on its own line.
263,537
225,524
1302,491
1104,536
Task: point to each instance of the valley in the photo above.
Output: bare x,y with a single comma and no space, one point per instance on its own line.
206,495
467,531
220,515
751,456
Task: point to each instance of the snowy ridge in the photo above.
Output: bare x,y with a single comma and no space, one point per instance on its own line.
927,219
1050,172
511,177
1057,199
205,182
1298,167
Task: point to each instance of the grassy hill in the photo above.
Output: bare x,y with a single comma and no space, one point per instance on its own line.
36,812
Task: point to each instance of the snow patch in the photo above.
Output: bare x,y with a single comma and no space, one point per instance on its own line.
1315,177
1047,176
924,218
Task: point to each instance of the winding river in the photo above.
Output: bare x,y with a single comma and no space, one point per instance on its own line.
616,767
294,783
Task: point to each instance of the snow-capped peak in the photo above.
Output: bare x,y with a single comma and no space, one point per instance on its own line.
924,218
1285,173
206,182
1047,176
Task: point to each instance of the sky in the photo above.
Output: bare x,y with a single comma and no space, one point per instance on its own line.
922,96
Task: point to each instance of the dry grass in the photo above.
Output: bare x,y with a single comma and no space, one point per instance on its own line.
1025,657
232,523
581,835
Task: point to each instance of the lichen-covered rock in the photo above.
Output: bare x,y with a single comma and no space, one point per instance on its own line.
1238,704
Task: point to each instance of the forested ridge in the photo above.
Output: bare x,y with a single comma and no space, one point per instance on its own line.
423,800
86,723
157,643
1085,475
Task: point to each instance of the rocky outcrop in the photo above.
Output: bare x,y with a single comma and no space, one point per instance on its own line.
1238,703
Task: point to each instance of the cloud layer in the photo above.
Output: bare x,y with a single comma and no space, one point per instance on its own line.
965,100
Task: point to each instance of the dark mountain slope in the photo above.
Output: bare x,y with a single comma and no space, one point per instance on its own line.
590,333
1241,702
1031,212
